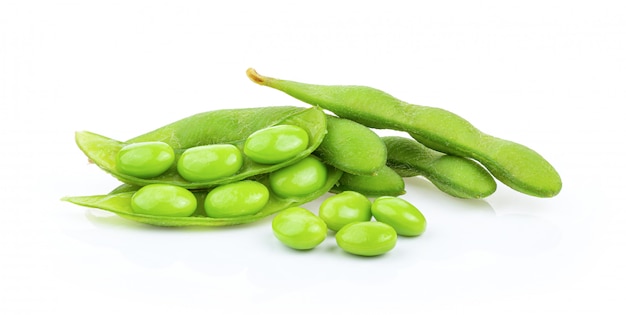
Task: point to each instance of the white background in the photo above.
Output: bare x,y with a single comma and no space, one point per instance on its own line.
547,74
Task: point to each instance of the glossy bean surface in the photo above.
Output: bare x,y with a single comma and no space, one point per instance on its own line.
400,214
209,162
299,179
236,199
276,144
515,165
345,208
367,238
119,202
145,159
299,228
218,127
163,200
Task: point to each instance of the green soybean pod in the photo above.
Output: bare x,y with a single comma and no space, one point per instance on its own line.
515,165
209,162
352,147
404,217
454,175
216,127
236,199
385,183
344,208
163,200
119,202
299,179
228,125
299,228
276,144
367,238
145,159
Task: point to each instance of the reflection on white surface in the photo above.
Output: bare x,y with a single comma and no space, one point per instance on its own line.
464,237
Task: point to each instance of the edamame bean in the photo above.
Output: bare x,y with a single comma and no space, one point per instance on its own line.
456,176
119,202
344,208
236,199
163,200
405,218
367,238
513,164
145,159
217,127
299,228
209,162
299,179
385,183
276,144
352,147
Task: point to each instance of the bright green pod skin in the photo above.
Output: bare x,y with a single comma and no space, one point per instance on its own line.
345,208
216,127
119,202
276,144
367,238
515,165
145,159
209,162
352,147
385,183
404,217
163,200
236,199
299,228
299,179
227,126
456,176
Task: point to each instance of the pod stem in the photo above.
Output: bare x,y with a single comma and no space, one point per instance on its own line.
256,77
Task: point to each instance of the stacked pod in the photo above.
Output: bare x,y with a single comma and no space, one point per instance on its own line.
513,164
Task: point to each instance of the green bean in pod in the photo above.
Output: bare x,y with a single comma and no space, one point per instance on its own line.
208,129
119,202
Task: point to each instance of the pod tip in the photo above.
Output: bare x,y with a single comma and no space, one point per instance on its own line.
255,76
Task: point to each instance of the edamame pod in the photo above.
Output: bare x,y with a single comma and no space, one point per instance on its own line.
352,147
196,131
513,164
223,126
456,176
119,202
385,183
